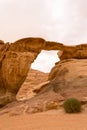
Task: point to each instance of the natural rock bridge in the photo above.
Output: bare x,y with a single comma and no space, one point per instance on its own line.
16,59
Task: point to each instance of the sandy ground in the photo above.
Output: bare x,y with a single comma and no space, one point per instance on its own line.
51,120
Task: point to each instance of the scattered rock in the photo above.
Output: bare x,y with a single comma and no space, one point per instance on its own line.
51,105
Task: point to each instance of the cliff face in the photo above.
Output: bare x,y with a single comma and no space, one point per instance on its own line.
16,59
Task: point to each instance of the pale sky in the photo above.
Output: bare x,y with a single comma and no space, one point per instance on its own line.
57,20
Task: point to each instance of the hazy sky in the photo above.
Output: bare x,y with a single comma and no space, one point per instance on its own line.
58,20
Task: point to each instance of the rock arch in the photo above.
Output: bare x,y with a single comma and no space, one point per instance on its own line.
16,59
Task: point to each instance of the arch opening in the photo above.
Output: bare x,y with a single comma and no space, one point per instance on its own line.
45,61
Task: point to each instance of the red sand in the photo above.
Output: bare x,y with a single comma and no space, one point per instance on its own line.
51,120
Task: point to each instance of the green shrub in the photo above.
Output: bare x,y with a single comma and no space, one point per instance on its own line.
72,105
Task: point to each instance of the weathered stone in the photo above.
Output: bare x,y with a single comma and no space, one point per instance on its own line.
51,105
69,78
14,69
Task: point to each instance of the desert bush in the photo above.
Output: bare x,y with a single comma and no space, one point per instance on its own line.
72,105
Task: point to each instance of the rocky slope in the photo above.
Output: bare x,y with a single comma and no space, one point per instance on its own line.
32,81
67,79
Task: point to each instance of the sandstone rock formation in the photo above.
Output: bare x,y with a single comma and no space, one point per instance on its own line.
16,59
69,78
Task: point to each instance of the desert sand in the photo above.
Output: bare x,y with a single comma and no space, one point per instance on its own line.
50,120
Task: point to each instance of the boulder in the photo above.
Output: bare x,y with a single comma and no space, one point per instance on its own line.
69,78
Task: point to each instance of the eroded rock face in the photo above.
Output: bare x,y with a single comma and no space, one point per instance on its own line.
69,78
14,69
77,52
16,59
